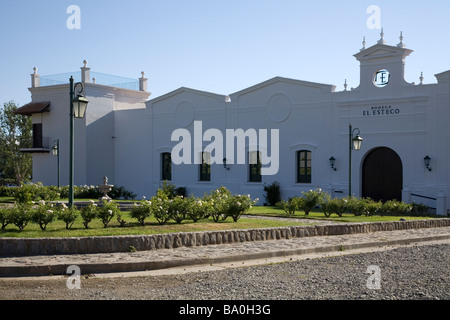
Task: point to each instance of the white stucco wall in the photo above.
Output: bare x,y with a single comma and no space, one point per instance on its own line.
124,135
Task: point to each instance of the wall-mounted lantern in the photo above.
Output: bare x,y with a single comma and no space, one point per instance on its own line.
427,161
332,163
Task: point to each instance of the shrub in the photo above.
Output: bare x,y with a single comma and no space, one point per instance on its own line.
7,191
310,199
86,192
199,209
238,204
170,190
21,215
89,213
223,204
68,215
119,217
181,191
35,192
218,199
273,195
121,193
43,214
23,195
92,192
160,206
335,205
396,207
178,208
371,206
356,206
108,211
419,209
141,211
5,217
289,206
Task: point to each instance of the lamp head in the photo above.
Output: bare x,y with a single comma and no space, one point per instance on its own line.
55,150
79,106
427,161
357,141
332,163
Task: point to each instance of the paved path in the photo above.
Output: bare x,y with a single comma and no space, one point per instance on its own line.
212,254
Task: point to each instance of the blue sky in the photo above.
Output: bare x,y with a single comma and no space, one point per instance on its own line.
217,46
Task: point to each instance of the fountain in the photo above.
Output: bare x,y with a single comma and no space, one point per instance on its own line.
105,188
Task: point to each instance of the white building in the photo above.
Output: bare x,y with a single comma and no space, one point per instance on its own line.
129,138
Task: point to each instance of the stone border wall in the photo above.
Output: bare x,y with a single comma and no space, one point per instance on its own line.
108,244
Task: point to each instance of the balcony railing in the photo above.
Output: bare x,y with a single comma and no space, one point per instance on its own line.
96,77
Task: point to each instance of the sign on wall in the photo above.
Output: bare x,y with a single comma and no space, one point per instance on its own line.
381,78
381,111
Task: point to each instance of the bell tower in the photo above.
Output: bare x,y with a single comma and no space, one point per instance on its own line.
382,69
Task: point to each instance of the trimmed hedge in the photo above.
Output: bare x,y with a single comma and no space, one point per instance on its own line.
351,204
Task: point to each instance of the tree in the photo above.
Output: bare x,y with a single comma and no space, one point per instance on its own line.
15,134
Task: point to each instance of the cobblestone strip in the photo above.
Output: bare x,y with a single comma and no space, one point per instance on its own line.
184,256
110,244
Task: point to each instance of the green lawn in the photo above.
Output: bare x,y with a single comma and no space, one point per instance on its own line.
57,228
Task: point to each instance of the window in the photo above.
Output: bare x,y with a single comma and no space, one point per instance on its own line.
254,167
166,166
205,167
304,166
37,135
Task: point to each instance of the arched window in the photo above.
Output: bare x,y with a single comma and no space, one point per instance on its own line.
304,166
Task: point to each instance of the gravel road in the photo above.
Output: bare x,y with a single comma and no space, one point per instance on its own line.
418,272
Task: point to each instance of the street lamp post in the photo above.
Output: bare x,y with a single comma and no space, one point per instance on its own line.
78,105
354,144
55,151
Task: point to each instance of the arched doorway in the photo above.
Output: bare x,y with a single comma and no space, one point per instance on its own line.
382,176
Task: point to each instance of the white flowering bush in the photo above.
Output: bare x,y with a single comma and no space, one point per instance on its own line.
289,206
335,205
68,215
357,206
35,192
141,211
238,205
219,204
223,204
88,213
20,215
199,208
179,208
311,199
371,207
396,207
108,211
160,207
5,217
43,214
219,200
